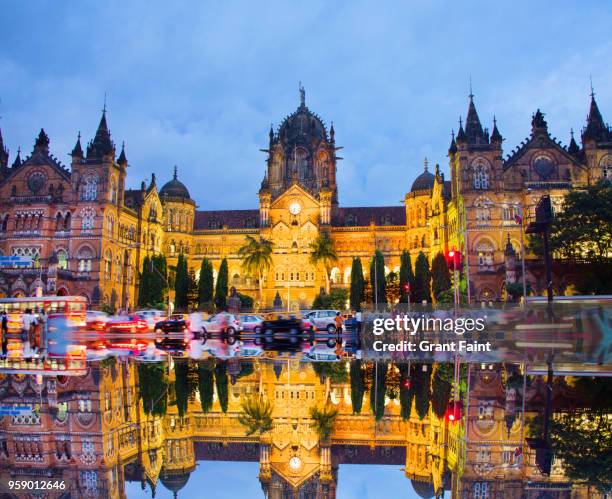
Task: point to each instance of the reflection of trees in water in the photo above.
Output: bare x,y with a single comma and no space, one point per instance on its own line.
406,394
378,389
153,386
181,387
256,414
357,376
221,383
323,420
421,386
205,384
441,388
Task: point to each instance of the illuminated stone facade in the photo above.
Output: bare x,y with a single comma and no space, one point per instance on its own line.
89,234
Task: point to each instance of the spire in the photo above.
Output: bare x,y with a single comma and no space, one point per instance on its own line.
77,152
596,129
495,135
332,133
17,162
509,248
473,128
452,149
153,181
42,142
426,164
122,160
102,143
4,154
271,134
175,173
461,134
573,146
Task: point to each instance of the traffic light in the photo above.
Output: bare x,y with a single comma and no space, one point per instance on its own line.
406,288
453,260
454,411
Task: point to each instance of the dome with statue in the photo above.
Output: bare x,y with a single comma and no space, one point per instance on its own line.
302,126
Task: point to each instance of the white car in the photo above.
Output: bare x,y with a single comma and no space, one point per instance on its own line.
222,323
152,316
322,320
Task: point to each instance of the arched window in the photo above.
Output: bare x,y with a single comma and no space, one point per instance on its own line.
108,265
5,220
480,490
481,175
113,191
606,167
118,269
89,190
483,209
485,256
58,221
62,259
67,220
87,219
110,226
84,258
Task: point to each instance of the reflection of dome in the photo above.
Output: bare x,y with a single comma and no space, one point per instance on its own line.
423,489
424,181
174,483
175,189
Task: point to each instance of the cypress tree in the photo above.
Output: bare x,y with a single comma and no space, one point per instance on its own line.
440,276
192,289
422,391
153,388
422,279
406,394
206,284
441,388
221,289
406,276
377,278
181,282
145,283
357,385
158,281
357,284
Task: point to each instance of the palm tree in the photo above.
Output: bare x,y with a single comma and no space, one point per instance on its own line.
256,259
256,415
323,252
323,420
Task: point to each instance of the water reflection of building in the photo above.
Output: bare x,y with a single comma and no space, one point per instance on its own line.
92,432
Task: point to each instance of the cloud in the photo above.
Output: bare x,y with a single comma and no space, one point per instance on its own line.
197,84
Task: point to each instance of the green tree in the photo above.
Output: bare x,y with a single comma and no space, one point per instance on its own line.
206,384
357,284
440,276
323,252
377,278
192,289
181,284
323,420
422,279
221,383
420,384
583,231
357,385
206,285
157,281
336,299
222,290
145,284
256,257
406,276
378,389
392,287
256,415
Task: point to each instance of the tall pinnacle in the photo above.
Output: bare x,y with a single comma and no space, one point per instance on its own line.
302,95
473,128
102,143
175,173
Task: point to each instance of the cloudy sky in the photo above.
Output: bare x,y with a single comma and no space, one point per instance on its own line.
198,84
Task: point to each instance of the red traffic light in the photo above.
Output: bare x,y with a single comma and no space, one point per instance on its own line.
406,383
406,287
454,411
453,259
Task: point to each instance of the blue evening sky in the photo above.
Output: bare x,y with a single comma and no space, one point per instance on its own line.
197,84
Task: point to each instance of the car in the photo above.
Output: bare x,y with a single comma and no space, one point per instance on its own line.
152,316
172,343
322,320
176,323
251,323
127,324
222,323
321,353
96,320
291,323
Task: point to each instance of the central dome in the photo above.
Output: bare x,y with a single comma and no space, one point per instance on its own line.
303,125
174,189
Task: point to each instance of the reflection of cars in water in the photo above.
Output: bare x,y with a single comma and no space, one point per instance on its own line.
322,320
251,323
176,323
222,323
151,316
127,324
321,353
96,320
172,343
